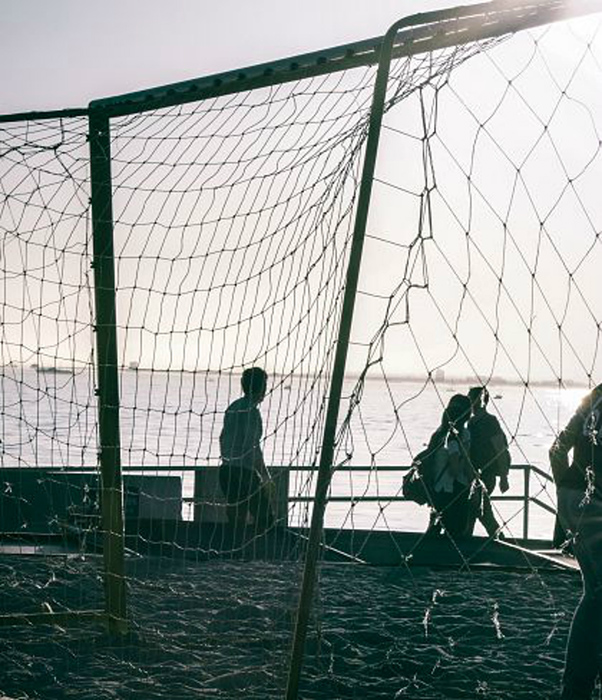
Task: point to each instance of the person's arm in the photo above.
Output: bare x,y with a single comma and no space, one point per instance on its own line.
437,439
566,440
258,461
226,437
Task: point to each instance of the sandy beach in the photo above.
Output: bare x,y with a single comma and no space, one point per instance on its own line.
222,629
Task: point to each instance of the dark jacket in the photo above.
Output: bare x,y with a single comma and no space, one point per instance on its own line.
488,445
583,435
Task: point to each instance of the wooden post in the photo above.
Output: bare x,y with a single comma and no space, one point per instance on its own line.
108,382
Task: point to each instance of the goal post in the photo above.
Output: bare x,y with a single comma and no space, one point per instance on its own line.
327,452
111,499
51,185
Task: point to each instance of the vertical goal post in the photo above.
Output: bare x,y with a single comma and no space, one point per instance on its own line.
112,498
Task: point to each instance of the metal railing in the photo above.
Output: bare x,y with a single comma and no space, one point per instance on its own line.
528,496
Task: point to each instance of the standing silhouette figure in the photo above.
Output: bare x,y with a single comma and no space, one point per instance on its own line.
243,476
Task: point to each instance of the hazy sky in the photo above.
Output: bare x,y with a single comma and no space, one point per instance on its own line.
513,150
66,52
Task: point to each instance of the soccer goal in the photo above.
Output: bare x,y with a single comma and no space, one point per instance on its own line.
379,227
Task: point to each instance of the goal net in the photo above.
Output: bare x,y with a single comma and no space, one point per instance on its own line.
232,213
231,223
479,269
480,259
48,448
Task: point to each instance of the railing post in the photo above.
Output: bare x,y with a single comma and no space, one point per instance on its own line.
197,506
338,374
108,382
527,498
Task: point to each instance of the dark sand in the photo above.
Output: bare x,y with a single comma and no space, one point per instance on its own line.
222,630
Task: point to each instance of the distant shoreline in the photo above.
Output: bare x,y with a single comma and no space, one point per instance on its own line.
495,381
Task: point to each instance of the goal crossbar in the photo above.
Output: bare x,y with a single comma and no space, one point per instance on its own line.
421,33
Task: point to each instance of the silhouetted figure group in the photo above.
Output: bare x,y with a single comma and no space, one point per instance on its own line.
469,448
468,453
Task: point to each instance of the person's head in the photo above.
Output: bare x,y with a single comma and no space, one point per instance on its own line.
254,383
458,410
589,400
478,397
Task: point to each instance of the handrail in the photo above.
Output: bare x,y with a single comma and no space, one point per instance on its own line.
541,473
543,505
524,497
201,467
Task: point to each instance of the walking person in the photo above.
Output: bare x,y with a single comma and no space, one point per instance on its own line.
579,487
243,476
489,456
452,476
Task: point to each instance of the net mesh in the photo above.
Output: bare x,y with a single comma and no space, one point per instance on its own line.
47,376
233,219
48,411
486,247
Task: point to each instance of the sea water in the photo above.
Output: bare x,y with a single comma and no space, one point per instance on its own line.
173,419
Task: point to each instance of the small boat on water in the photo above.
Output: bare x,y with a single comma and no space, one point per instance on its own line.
44,369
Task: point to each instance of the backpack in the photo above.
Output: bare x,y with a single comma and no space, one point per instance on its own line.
417,484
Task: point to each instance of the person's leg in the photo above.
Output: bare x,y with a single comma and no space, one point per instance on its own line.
231,483
584,646
455,515
475,502
440,517
260,505
485,514
581,661
435,525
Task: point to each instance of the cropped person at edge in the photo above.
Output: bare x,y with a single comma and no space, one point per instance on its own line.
579,487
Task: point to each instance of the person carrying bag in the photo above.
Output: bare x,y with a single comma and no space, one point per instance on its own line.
442,475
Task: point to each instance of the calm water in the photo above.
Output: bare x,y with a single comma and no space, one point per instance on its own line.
174,419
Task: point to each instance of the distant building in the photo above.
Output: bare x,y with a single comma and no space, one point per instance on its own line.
439,375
